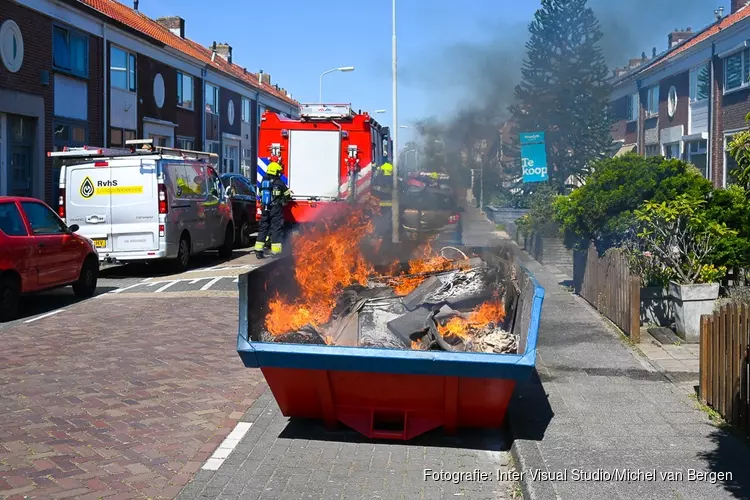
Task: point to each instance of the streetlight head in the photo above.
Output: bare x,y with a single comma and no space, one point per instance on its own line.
380,111
347,68
403,126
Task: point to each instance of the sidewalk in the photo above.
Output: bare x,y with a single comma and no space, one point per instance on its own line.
600,407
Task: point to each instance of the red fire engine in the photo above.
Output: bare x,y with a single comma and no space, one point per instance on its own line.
328,157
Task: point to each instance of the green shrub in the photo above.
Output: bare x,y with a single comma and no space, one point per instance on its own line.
602,210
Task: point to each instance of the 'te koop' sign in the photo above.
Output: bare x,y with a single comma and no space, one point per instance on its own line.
533,157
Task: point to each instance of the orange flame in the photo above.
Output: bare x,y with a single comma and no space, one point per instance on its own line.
326,260
491,312
427,263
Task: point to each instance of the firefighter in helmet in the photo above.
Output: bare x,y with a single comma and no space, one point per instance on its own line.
273,195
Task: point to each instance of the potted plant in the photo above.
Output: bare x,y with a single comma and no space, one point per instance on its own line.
681,240
656,304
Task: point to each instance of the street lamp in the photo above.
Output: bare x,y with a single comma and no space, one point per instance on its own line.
380,111
394,197
344,69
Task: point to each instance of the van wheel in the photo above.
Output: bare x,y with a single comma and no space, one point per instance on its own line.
10,298
85,287
183,254
227,249
244,235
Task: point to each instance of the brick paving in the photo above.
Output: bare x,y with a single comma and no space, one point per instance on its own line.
281,459
119,397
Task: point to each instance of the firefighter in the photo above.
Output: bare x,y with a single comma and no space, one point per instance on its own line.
273,194
386,169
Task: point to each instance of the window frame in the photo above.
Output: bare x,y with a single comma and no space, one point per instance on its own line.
70,142
216,98
71,33
700,151
207,146
63,227
634,102
744,56
695,82
180,139
728,135
131,70
652,94
124,133
667,145
246,110
181,87
646,148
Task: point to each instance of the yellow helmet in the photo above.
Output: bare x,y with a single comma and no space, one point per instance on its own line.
273,168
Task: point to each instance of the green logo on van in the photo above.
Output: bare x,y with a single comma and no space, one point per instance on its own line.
87,188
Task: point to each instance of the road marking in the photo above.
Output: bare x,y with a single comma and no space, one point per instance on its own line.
236,280
196,280
227,446
126,288
166,286
44,316
210,284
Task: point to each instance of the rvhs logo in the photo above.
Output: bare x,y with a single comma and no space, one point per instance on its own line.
87,188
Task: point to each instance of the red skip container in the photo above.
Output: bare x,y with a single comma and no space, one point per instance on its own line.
387,393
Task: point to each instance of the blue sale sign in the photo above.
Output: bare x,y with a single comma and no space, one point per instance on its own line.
533,157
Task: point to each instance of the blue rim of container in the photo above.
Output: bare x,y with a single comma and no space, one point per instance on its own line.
397,361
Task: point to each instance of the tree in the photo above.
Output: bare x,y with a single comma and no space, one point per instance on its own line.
564,90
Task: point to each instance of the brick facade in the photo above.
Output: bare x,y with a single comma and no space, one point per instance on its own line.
681,83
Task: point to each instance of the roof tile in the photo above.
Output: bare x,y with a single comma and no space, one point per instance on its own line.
144,24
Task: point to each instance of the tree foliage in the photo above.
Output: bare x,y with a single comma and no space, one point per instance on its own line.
602,210
564,90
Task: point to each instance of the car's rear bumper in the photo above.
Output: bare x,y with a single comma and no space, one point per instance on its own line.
125,257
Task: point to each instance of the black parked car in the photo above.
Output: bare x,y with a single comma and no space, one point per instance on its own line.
242,193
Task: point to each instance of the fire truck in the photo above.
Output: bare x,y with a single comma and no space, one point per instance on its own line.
328,156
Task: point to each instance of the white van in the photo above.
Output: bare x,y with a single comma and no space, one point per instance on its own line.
145,204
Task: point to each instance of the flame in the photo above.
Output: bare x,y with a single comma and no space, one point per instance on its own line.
428,262
327,259
490,312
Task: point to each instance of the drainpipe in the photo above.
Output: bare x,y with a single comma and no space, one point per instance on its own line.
105,126
204,74
640,142
710,142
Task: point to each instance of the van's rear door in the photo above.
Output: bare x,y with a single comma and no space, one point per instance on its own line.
87,205
135,205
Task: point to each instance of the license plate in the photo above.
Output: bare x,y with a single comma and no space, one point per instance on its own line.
100,243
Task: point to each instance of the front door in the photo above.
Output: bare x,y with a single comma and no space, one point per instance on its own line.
20,150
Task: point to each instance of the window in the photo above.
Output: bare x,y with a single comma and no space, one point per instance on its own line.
700,81
159,140
184,91
121,69
42,219
653,101
230,158
653,150
737,70
212,99
729,162
212,147
11,222
70,51
186,143
246,110
672,151
242,187
214,183
186,181
118,136
697,154
633,103
69,134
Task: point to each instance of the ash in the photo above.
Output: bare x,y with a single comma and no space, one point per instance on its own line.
494,341
460,284
373,324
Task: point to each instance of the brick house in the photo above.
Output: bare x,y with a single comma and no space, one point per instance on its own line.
98,72
50,96
688,101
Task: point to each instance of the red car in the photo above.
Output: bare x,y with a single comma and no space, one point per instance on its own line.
39,252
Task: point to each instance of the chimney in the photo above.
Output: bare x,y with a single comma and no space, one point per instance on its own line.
719,13
223,50
260,76
678,36
135,5
653,53
175,24
737,5
266,79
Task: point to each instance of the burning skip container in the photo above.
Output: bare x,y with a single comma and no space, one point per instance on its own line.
390,393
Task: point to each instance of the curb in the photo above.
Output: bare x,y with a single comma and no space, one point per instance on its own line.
527,457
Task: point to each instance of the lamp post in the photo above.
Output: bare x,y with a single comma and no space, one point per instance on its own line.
395,219
344,69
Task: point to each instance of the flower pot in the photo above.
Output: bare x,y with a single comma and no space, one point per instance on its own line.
690,303
656,306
